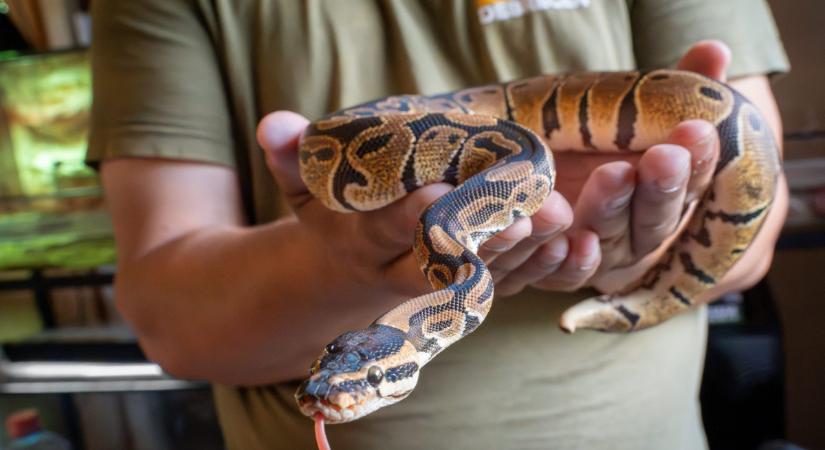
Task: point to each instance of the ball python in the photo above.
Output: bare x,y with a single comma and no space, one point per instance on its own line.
492,143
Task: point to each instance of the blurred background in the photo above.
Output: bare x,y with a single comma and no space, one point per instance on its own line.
65,352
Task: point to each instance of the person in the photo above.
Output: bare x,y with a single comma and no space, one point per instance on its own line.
222,283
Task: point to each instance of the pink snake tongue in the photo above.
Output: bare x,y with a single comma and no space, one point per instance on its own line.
320,432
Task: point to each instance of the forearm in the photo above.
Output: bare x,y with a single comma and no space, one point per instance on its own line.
242,305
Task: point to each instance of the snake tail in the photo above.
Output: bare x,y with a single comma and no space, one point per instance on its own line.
724,223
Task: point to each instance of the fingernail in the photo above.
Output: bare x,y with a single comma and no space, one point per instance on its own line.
620,202
587,263
705,152
551,261
549,231
586,266
496,245
672,183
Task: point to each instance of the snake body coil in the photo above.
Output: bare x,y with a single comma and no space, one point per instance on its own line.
492,143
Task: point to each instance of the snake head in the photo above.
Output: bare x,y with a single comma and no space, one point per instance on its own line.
358,373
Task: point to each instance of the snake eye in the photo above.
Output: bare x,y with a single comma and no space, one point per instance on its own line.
375,375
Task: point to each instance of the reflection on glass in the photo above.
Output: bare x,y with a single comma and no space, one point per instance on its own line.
51,211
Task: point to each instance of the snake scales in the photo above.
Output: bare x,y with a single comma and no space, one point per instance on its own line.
492,143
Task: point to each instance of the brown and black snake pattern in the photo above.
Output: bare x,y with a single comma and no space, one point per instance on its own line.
492,143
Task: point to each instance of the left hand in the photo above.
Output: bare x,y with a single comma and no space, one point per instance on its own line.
626,205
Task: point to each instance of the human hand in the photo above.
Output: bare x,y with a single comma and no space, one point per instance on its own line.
626,206
373,249
622,214
370,249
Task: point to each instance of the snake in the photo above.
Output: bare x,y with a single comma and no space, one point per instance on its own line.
493,144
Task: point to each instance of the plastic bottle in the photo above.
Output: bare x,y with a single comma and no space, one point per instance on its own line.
23,428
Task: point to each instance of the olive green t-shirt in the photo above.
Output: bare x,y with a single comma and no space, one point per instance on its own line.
190,79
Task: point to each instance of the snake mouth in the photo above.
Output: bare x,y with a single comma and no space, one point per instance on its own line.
333,412
341,407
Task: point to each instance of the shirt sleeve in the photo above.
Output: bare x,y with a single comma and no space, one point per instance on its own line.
157,85
664,29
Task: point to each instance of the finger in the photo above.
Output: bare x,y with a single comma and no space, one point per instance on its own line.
403,277
659,200
710,58
278,134
604,207
505,239
554,216
391,230
544,262
702,141
583,259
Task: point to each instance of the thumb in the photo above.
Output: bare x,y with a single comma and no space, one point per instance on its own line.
278,134
710,58
392,227
390,234
702,141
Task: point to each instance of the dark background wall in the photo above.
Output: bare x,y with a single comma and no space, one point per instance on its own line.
797,278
